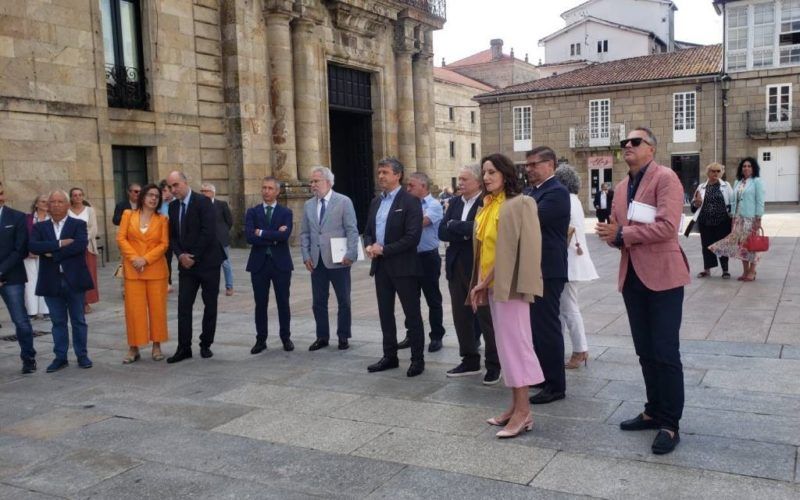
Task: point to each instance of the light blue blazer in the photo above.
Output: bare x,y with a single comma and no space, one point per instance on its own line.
339,222
751,201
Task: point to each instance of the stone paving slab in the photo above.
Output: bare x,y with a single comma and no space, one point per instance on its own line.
773,382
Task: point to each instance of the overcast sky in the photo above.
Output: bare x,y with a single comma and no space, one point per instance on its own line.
521,23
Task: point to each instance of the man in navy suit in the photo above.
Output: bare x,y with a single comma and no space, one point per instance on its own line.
267,227
64,278
391,236
193,239
552,202
13,250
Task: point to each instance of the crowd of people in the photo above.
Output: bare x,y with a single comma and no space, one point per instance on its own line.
513,260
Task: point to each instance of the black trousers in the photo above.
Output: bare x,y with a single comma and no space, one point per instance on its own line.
548,339
168,256
602,214
407,289
189,282
261,280
429,286
655,319
710,235
464,321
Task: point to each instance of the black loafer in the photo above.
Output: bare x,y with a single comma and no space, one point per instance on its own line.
638,423
288,345
435,345
344,345
179,356
384,364
546,396
416,368
259,347
205,352
318,344
664,443
404,344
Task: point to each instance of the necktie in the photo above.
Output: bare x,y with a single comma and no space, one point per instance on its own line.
321,210
268,214
183,214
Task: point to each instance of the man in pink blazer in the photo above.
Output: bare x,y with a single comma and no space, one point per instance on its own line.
652,273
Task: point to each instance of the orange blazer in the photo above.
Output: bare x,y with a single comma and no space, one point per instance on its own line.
151,245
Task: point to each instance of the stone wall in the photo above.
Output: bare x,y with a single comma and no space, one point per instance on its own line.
461,130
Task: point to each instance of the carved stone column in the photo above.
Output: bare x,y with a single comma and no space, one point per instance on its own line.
278,14
404,75
422,69
307,71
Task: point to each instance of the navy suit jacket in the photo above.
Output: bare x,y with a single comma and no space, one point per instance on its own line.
199,233
13,246
552,203
276,241
71,258
458,234
403,232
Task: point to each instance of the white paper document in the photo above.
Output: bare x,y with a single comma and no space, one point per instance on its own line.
339,249
641,212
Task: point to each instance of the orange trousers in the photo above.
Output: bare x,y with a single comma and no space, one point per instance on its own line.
146,311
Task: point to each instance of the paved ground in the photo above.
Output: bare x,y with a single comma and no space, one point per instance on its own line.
301,424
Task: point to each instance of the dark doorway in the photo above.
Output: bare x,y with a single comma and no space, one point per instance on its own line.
130,166
688,169
350,103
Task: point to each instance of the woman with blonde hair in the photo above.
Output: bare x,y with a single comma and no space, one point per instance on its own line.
35,305
711,204
81,209
143,239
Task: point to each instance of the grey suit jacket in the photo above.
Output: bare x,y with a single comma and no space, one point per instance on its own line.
339,222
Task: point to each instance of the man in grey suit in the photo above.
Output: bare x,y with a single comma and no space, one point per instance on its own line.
328,215
224,225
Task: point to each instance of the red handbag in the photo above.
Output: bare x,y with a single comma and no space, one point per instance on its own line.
757,242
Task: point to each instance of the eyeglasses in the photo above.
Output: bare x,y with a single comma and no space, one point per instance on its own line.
635,142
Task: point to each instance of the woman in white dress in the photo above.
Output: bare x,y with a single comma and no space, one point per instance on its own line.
580,268
81,209
35,305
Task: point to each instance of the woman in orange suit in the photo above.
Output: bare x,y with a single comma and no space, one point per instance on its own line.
143,239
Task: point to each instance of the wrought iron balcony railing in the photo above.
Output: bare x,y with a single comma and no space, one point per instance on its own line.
436,8
783,124
126,87
586,136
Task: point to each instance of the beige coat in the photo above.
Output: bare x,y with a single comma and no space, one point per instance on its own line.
518,253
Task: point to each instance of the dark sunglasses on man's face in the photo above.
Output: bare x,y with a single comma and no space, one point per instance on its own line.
635,142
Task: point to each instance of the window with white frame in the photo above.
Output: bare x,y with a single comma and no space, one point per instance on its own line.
599,122
789,34
602,46
684,117
763,35
523,140
737,38
779,107
574,49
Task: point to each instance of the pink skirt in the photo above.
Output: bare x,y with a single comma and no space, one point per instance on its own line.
512,334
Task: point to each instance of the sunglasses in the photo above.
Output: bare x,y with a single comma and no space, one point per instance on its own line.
635,142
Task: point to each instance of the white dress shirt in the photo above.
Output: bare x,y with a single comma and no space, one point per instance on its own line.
468,203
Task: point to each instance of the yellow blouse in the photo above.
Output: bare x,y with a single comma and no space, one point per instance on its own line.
486,230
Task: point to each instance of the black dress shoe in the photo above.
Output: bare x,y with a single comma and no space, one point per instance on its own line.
28,366
288,345
260,346
179,356
546,395
384,364
540,385
344,345
664,443
205,352
416,368
404,344
318,344
638,423
435,345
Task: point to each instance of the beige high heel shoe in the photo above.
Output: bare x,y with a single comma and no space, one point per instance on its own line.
498,421
576,359
512,433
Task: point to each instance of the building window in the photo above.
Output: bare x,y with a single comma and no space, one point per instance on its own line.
122,44
737,38
763,35
789,36
473,150
452,149
130,166
602,46
523,140
766,156
779,107
684,115
472,117
451,113
575,49
599,122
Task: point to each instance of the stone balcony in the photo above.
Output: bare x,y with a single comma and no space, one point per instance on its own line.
759,128
588,137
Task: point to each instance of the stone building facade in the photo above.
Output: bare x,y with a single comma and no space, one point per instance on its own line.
583,114
100,93
494,67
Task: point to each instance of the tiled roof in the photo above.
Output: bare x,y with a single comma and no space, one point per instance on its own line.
705,60
453,77
482,57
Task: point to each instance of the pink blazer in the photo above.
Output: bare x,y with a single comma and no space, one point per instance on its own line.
653,248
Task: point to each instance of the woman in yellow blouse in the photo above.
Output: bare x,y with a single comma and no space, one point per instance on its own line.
508,269
143,239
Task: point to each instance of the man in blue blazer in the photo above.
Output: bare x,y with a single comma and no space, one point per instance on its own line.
64,278
267,227
552,202
13,250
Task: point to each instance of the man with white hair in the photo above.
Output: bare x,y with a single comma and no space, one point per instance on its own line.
224,225
329,215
